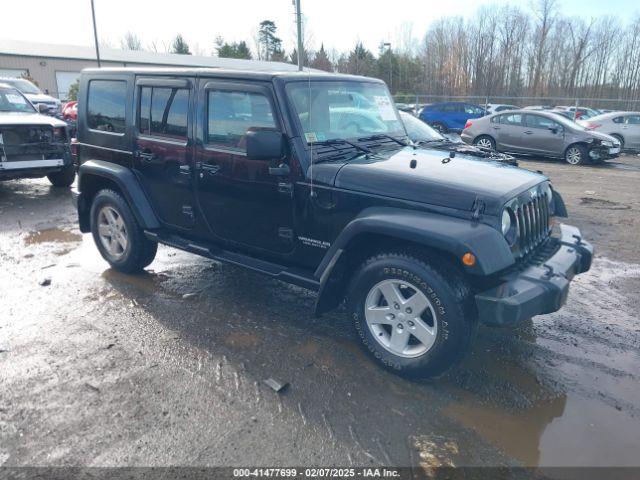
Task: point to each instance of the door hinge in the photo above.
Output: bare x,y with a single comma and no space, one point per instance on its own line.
284,187
285,233
188,211
477,208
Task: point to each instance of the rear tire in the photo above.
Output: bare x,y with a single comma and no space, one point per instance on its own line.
117,235
576,155
63,178
385,301
485,141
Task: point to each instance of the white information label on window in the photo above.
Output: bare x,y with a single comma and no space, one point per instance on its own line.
385,109
16,99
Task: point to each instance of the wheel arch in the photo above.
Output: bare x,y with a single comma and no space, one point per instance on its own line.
95,175
383,229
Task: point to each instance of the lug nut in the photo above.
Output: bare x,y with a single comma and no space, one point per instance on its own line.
408,310
411,324
400,326
396,306
391,316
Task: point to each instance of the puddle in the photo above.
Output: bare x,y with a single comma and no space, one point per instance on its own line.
566,431
51,235
565,391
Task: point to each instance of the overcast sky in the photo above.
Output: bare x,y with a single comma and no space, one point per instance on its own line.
337,23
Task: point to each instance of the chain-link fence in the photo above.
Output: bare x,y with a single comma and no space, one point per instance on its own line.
595,103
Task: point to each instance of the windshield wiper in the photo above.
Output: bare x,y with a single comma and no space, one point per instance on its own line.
341,141
380,136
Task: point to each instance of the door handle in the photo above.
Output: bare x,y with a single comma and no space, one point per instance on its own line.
496,128
210,169
146,156
528,132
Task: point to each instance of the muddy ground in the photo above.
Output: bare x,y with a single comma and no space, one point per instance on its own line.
167,368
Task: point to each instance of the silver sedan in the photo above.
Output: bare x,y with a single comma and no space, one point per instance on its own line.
624,126
540,133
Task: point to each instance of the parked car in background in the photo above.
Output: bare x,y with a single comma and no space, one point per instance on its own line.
540,133
450,116
624,126
500,107
70,111
32,145
565,113
35,95
581,113
423,135
539,107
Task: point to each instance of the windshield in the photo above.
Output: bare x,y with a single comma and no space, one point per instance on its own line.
24,86
341,110
419,131
11,100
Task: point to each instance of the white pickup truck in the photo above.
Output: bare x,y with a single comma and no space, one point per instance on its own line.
32,145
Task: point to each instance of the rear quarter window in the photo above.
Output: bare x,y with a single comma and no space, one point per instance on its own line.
106,105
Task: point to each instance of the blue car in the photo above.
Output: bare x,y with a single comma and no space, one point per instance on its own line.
450,116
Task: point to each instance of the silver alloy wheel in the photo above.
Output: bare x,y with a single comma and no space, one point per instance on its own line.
574,156
401,318
484,143
112,232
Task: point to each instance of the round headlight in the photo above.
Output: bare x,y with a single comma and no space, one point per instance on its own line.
506,222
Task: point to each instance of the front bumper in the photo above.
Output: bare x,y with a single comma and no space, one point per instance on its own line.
538,289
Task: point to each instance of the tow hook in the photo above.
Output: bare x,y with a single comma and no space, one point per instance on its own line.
578,239
549,270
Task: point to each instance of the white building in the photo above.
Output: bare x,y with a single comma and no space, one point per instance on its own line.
56,67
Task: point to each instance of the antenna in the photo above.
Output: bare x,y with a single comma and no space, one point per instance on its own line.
312,136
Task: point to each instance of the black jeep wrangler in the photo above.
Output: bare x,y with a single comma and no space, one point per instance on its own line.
310,178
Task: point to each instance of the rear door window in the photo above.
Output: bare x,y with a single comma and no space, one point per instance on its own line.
106,106
511,119
633,119
163,111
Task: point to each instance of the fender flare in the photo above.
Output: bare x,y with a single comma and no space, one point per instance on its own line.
431,230
128,184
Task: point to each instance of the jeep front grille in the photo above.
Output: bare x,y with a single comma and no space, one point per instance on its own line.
532,220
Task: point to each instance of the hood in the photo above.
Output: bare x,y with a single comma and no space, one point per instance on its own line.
41,98
16,118
603,136
436,179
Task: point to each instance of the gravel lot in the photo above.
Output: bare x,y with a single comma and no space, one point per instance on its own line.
167,368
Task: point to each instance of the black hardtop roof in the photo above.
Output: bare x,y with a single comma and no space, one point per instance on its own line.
226,73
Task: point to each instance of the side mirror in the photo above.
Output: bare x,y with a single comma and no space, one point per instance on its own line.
42,108
554,130
264,145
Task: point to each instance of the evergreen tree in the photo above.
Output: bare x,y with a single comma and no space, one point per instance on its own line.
269,44
321,60
180,46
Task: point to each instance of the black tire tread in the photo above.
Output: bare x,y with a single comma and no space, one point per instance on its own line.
143,250
463,300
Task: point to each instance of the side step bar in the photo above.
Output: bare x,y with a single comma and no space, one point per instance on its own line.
288,275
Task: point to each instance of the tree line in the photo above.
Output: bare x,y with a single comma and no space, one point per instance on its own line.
500,51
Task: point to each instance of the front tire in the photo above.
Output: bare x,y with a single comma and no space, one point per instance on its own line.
64,178
410,316
118,236
576,155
